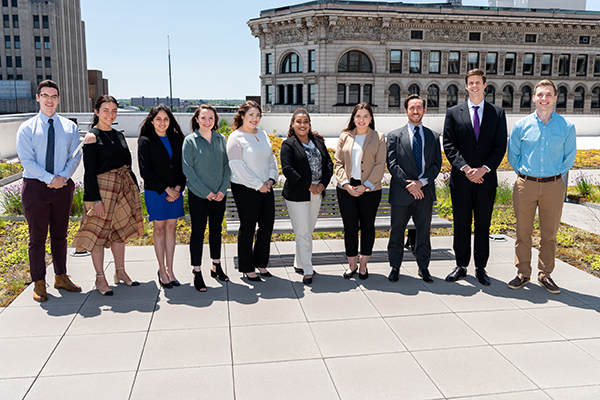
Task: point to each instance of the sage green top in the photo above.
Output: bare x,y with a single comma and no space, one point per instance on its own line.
205,164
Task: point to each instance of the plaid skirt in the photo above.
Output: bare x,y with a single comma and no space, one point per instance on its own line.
122,219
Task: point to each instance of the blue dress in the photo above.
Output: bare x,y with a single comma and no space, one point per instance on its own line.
159,209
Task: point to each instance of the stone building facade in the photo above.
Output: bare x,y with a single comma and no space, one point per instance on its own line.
327,56
45,39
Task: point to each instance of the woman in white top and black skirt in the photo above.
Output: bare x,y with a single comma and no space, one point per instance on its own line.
359,165
253,173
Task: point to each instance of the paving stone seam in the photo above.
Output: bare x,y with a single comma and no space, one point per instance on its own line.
137,370
56,346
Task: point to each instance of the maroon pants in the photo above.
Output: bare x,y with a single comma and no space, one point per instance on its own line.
45,207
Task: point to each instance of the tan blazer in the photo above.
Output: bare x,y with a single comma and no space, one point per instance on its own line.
373,158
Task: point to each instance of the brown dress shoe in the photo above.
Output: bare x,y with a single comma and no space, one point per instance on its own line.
63,282
39,291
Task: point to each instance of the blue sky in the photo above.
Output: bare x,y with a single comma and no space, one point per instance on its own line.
213,53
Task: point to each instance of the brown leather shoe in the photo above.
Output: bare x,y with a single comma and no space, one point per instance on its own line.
39,291
63,282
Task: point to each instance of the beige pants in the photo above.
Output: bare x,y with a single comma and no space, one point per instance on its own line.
548,199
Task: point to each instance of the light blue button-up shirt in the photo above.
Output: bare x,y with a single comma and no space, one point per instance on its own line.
32,141
542,150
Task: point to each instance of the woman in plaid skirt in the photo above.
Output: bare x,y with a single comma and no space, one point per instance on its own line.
111,196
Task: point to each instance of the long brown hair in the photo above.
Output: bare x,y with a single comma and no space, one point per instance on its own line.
194,123
172,129
360,106
237,119
101,100
291,132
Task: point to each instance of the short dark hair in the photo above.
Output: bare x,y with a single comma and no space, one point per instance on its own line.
545,82
49,84
475,72
412,97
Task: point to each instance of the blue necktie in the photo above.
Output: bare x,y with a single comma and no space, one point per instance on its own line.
417,149
50,148
476,122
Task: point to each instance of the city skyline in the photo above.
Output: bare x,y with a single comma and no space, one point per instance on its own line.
224,63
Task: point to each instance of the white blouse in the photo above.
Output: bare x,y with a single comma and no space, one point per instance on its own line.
251,158
359,142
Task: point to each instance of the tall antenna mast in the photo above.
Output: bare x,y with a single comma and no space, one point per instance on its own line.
170,81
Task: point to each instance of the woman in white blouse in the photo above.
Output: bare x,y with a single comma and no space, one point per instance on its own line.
359,164
253,173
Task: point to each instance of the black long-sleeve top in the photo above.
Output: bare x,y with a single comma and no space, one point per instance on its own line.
109,152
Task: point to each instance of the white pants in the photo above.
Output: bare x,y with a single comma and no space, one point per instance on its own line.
303,215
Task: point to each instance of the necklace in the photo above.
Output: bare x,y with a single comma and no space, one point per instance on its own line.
108,137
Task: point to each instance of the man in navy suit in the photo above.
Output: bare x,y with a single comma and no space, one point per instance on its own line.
474,142
414,160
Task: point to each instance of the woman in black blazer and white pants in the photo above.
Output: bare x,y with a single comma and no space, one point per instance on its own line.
159,156
308,168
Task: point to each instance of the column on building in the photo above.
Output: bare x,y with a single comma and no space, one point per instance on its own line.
516,102
587,102
286,89
443,101
347,93
294,94
361,93
570,101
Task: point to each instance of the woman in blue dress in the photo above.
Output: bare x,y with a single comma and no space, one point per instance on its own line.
159,156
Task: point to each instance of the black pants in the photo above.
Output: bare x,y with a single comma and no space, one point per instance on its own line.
474,204
200,210
420,211
358,213
254,208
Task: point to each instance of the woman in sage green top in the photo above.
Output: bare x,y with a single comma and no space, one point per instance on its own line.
206,166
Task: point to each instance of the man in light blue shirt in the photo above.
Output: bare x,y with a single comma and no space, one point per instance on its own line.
541,149
48,148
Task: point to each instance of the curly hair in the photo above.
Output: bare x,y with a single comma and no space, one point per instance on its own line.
237,119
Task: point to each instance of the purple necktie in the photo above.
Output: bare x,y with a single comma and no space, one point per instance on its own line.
476,123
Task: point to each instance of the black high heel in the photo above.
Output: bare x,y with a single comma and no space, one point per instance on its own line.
350,274
365,275
266,274
199,281
219,272
253,279
168,285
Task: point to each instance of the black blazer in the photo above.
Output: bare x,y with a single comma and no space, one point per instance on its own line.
157,169
402,166
295,167
462,148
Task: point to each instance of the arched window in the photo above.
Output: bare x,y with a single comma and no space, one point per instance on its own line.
414,89
354,61
394,98
433,96
526,97
579,96
561,101
291,64
490,94
452,98
507,97
595,97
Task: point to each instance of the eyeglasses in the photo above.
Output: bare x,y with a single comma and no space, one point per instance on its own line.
44,97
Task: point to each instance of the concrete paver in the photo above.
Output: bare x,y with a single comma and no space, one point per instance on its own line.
336,339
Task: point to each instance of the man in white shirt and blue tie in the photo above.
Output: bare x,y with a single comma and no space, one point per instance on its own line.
414,160
48,148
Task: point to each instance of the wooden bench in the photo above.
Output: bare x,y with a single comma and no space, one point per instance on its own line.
330,219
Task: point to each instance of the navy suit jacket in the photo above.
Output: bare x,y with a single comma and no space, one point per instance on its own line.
462,148
402,166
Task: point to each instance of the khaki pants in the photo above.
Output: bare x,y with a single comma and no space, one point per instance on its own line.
548,199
